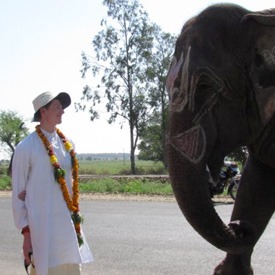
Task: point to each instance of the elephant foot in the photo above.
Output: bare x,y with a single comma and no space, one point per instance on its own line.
233,268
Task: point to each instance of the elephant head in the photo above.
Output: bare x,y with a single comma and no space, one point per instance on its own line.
221,86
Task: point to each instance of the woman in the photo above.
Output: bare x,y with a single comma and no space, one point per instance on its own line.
45,194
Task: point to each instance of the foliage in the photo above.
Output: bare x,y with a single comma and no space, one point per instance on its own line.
151,146
127,186
123,50
152,137
5,182
12,129
239,155
103,185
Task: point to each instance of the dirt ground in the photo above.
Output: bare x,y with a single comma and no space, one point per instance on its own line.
128,197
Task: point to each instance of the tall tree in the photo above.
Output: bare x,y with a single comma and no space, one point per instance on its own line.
123,49
153,136
12,129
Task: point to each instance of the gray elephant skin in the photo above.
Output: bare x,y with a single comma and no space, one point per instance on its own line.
221,86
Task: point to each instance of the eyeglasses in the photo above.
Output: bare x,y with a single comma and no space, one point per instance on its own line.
27,265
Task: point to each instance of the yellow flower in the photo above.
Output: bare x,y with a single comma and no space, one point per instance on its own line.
68,146
53,159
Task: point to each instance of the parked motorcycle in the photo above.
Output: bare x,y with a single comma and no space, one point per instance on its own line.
228,181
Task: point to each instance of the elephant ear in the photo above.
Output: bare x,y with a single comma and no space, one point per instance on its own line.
263,67
265,17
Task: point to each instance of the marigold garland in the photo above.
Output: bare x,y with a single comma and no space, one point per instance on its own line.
59,174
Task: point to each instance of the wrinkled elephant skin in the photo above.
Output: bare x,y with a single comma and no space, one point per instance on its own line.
221,86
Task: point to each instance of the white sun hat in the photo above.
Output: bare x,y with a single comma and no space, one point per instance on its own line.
44,98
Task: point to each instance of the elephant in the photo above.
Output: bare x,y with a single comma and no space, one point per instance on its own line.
221,88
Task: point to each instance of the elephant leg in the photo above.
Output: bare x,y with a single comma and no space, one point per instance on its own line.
255,203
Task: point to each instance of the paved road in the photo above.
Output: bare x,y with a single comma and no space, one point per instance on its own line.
139,237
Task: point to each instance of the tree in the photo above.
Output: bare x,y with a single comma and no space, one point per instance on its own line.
152,145
12,129
123,50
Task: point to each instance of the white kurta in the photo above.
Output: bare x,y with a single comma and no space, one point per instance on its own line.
53,235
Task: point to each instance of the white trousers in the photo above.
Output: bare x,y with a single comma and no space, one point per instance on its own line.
66,269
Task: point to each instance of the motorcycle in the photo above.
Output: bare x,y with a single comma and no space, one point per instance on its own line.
229,179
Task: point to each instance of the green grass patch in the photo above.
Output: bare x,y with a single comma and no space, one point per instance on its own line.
148,187
120,167
132,186
113,185
5,182
105,185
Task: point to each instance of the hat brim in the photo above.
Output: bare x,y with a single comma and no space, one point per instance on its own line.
64,99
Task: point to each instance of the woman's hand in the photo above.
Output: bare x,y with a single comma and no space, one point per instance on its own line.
22,195
27,247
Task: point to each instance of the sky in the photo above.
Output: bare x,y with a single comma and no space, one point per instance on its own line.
40,50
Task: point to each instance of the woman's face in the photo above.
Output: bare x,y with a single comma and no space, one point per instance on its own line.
53,114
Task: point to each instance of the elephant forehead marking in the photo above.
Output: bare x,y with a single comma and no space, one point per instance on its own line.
173,74
269,56
191,144
178,95
184,94
269,109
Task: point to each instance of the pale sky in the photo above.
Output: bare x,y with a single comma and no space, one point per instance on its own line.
40,50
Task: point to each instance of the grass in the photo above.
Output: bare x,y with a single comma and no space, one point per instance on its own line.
5,182
127,186
107,184
120,167
113,186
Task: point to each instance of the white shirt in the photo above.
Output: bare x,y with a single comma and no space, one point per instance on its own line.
53,235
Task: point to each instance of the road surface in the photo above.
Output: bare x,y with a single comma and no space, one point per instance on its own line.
135,237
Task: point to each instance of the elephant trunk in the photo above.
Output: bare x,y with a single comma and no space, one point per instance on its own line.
191,190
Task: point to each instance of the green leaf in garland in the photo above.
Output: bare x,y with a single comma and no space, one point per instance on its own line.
59,173
77,218
80,240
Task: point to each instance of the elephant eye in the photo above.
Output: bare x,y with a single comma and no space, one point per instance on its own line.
205,89
175,95
202,94
204,100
